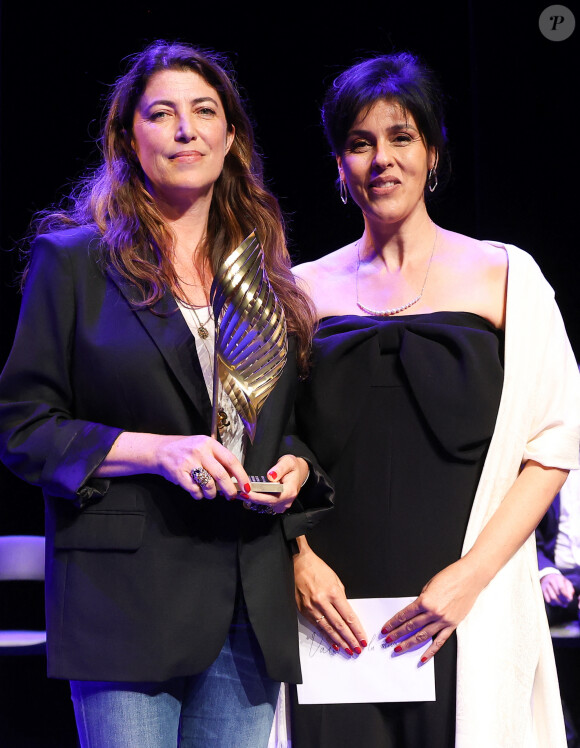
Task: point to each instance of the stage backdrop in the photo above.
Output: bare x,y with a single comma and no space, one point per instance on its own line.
511,97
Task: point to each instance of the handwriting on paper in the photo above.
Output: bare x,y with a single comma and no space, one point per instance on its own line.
376,675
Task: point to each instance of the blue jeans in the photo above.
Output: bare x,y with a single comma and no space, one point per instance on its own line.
231,704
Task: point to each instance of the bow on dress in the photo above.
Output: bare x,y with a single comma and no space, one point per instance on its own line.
451,361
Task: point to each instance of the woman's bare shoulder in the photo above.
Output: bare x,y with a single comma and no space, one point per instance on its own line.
330,267
473,261
325,279
476,273
491,255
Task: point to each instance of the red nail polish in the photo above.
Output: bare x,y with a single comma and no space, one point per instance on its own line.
398,648
358,650
336,647
363,643
348,651
423,659
384,630
273,474
244,495
247,487
389,639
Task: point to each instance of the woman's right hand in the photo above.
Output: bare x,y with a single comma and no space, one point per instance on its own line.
174,457
178,456
321,598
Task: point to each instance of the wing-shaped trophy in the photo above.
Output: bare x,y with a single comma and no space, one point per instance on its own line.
251,341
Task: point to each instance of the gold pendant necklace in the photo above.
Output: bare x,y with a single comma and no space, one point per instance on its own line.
202,329
223,420
395,310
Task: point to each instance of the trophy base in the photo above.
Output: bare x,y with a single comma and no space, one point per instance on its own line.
261,484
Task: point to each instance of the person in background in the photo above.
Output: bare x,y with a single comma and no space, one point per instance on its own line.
169,606
558,542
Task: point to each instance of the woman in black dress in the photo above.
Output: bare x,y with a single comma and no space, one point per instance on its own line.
401,408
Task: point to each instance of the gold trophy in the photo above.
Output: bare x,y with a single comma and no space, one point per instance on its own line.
251,343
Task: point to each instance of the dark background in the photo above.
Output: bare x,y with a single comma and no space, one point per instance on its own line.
512,100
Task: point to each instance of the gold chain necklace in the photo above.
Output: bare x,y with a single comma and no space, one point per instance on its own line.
202,329
395,310
203,332
223,420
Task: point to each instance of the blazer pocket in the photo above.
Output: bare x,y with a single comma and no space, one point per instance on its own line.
104,530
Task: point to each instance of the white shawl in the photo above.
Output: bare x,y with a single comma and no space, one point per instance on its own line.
507,687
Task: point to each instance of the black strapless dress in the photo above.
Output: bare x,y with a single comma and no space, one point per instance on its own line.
400,412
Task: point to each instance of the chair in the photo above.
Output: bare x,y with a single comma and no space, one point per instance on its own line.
22,559
566,634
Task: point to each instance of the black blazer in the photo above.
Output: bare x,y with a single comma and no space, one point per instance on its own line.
141,579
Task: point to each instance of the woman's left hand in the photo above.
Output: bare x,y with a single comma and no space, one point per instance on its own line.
443,603
291,472
450,595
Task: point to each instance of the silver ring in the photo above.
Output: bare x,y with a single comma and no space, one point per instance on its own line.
259,508
200,476
319,619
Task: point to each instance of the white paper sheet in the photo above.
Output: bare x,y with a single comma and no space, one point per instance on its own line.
377,674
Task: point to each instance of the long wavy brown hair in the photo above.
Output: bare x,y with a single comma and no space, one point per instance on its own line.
137,241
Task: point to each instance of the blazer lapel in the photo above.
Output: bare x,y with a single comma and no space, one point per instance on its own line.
169,332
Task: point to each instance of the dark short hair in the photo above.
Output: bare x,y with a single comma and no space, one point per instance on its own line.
401,78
